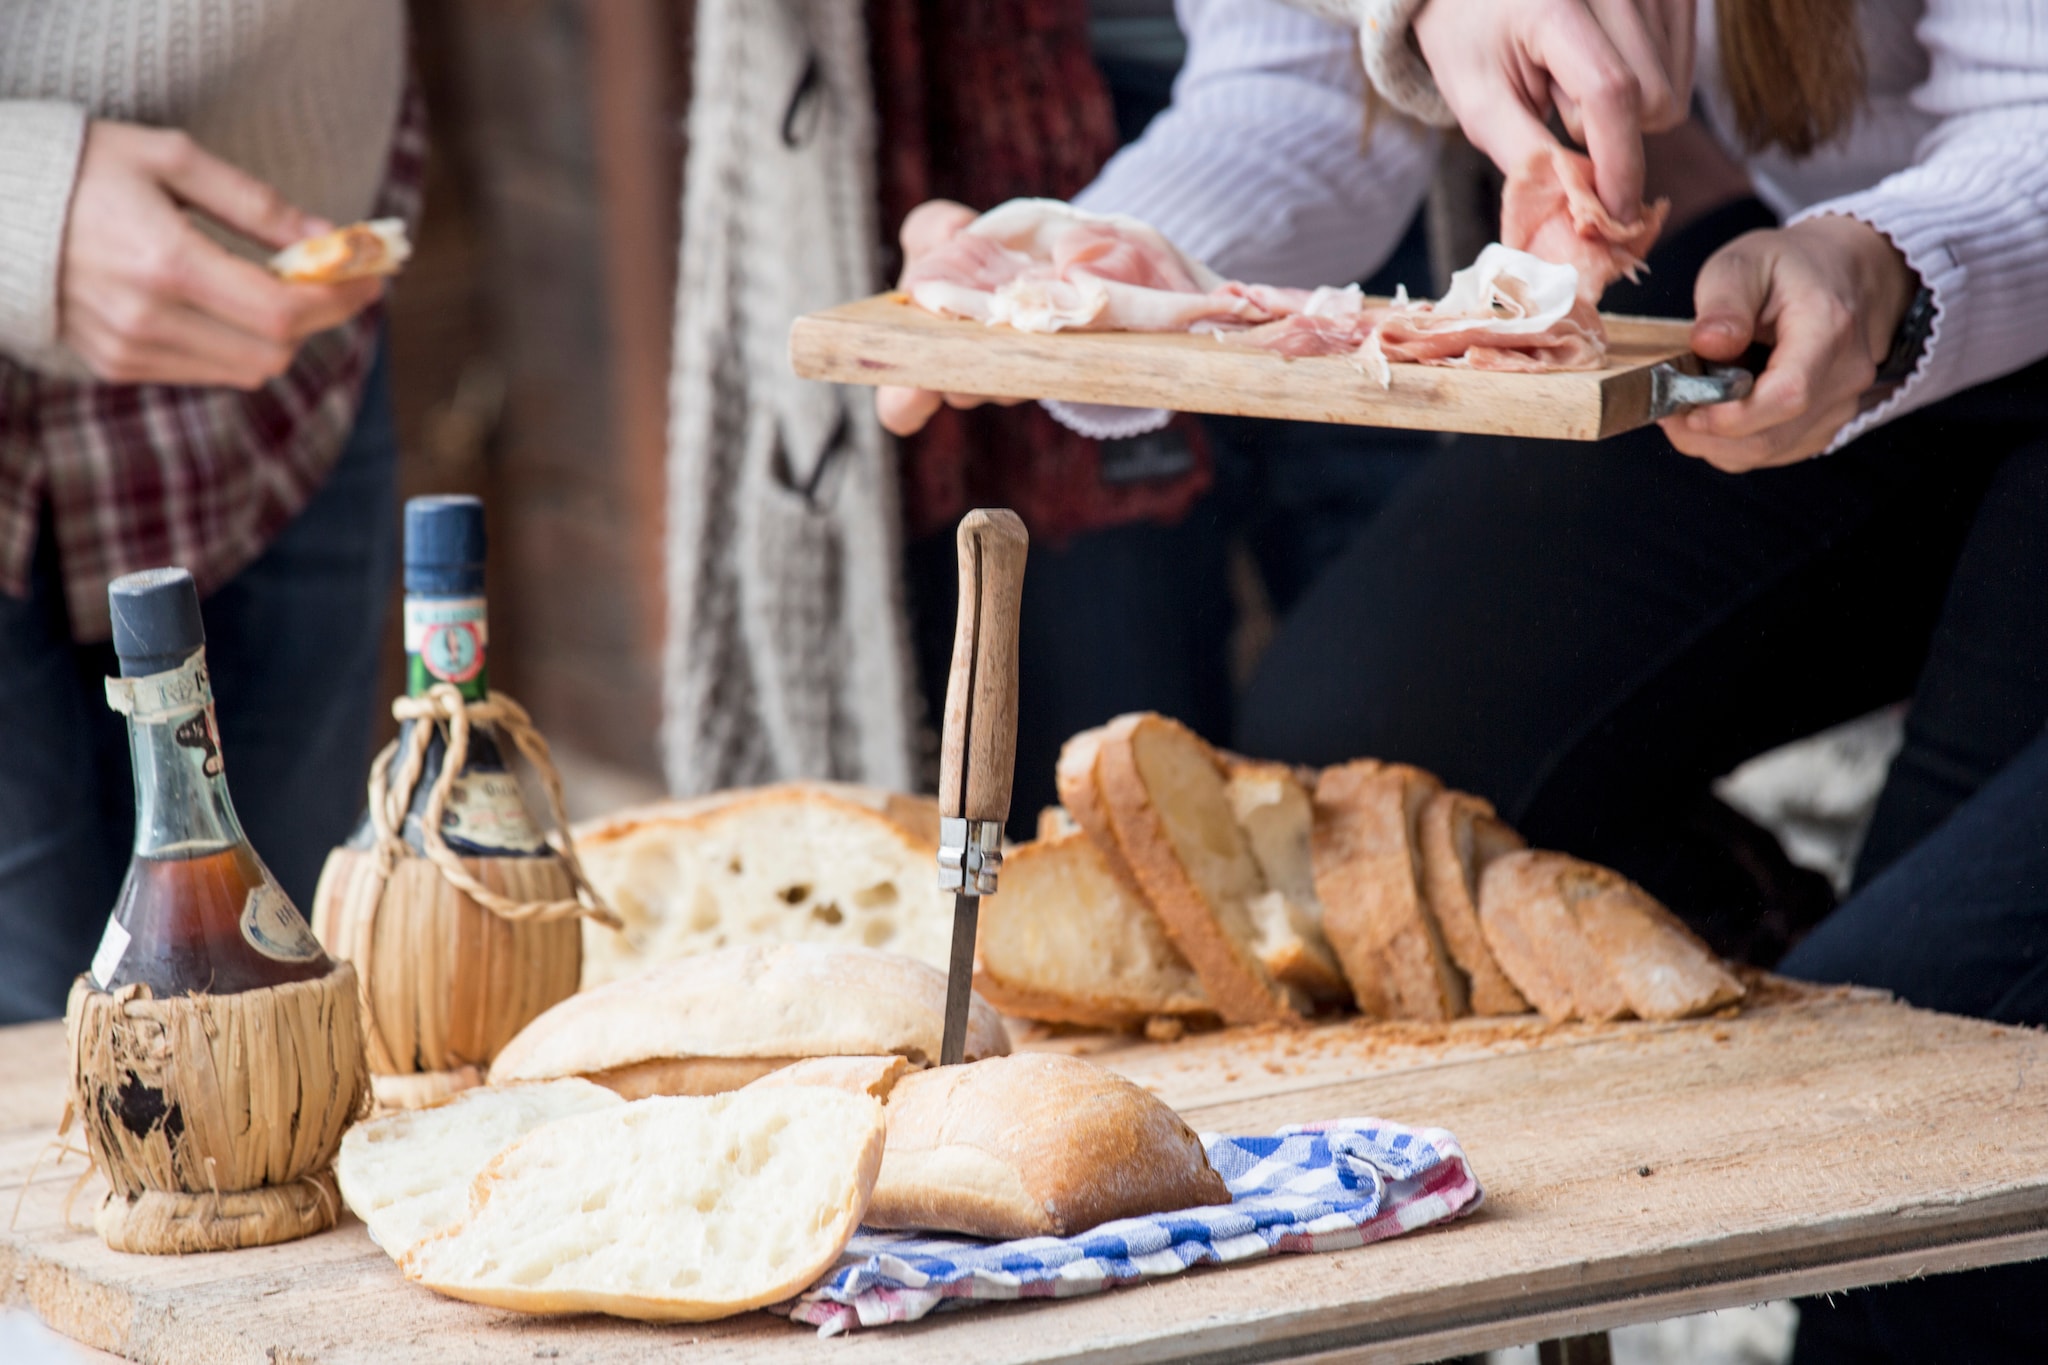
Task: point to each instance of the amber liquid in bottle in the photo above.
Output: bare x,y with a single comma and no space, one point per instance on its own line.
199,913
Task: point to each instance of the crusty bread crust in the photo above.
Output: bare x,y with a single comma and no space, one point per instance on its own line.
1222,954
1460,836
1368,869
1080,791
1034,1145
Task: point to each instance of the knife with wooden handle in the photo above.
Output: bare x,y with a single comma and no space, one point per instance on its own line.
978,752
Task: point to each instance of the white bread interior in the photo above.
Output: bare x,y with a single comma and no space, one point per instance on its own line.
874,1077
667,1209
407,1175
1275,813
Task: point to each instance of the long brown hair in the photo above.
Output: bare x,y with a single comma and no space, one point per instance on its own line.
1794,70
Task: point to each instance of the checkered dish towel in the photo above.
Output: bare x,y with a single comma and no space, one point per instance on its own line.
1317,1187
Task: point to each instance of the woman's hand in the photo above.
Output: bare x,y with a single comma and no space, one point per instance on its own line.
925,228
145,298
1826,295
1613,69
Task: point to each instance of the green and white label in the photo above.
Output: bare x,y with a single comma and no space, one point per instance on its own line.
446,640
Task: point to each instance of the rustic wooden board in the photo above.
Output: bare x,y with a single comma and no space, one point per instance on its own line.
888,340
1818,1141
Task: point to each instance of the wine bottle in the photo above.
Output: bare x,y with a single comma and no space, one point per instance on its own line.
198,913
447,640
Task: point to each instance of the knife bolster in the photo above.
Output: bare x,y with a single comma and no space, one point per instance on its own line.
970,855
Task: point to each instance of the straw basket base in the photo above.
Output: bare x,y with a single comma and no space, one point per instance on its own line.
163,1222
422,1089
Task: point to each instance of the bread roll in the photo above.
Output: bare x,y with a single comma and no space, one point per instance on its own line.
1368,870
1034,1145
1460,835
742,1012
407,1175
668,1210
1584,942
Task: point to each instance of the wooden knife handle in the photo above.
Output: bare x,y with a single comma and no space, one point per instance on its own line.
978,754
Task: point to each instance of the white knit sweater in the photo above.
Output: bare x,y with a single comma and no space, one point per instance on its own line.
300,93
1259,167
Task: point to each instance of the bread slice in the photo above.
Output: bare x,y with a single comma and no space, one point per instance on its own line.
874,1077
813,862
1163,792
1054,821
1063,940
407,1175
1460,836
1275,813
1080,791
1034,1145
1584,942
1368,871
668,1210
742,1012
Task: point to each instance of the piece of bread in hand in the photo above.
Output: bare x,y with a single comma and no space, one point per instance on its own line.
1368,870
356,252
801,862
1584,942
1035,1145
1275,813
716,1021
1163,792
667,1210
1063,940
1460,836
407,1175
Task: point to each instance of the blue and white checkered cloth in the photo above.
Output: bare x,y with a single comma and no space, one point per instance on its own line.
1317,1187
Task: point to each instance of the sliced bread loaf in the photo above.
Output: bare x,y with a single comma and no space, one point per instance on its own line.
874,1077
1460,836
668,1210
1034,1145
407,1175
1368,871
1168,808
716,1021
1063,940
823,863
1275,813
1584,942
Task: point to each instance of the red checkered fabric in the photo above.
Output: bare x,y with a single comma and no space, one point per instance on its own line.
142,475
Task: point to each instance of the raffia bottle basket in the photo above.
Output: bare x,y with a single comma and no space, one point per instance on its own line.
215,1118
455,955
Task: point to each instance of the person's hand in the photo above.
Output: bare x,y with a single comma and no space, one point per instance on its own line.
1826,295
1612,69
926,228
145,298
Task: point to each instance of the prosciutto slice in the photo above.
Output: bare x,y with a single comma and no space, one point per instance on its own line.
1550,210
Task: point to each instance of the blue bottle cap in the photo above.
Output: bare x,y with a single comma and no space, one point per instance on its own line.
156,620
444,546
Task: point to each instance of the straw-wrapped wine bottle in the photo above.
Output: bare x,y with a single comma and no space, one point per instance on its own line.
460,918
216,1051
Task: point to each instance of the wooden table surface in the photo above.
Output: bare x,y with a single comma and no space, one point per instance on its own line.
1818,1141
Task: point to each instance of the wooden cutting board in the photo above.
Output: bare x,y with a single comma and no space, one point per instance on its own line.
889,340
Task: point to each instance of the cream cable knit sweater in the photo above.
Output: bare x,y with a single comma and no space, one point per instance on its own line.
300,93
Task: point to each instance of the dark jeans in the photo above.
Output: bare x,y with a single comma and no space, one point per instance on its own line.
1960,923
292,644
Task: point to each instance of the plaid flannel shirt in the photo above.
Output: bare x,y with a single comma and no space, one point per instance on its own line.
143,475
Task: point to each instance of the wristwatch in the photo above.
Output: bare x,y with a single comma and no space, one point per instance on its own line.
1909,341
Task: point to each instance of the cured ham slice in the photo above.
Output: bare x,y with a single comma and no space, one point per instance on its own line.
1506,311
1550,210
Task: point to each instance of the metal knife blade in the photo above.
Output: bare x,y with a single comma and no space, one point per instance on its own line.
960,979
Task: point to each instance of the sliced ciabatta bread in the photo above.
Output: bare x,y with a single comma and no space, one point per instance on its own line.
1275,813
815,862
1065,941
1584,942
407,1175
1034,1145
1368,870
874,1077
668,1210
1460,836
716,1021
1167,804
1080,792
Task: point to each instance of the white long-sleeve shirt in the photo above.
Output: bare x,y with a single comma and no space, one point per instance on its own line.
1260,165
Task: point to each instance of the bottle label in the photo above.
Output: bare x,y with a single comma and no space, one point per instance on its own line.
113,946
182,697
448,637
487,812
274,927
